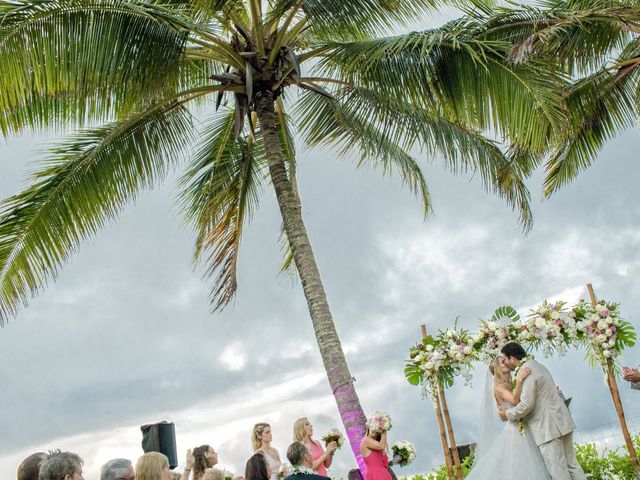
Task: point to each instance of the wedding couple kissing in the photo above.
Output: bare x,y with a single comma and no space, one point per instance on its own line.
536,440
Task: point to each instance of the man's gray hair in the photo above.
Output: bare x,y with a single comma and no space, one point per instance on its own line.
296,453
116,468
59,464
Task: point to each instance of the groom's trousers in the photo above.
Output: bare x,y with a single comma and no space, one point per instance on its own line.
560,458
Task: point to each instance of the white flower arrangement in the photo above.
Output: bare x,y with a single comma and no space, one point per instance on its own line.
551,326
379,422
439,359
598,327
492,336
404,453
333,435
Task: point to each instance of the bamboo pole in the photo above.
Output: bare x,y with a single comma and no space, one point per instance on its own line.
617,401
443,435
452,438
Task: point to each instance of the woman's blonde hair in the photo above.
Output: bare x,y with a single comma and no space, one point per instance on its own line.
150,465
258,428
299,432
213,474
499,378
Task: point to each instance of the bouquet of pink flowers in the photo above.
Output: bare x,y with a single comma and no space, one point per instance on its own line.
379,422
333,435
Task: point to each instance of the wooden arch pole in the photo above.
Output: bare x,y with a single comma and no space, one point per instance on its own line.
617,402
443,434
452,438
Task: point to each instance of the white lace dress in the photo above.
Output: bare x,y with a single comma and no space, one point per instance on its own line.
511,455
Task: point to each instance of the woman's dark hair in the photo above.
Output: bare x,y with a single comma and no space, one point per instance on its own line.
375,435
200,461
513,349
256,468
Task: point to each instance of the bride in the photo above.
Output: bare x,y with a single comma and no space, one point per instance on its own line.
513,453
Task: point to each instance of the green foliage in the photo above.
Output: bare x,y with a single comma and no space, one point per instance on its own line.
67,64
595,44
605,465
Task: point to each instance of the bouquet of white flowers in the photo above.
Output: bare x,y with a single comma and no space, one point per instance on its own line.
403,453
333,435
379,422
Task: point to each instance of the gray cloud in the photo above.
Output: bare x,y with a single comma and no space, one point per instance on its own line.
125,335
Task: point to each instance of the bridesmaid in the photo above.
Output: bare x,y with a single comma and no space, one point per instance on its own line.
374,452
261,440
302,432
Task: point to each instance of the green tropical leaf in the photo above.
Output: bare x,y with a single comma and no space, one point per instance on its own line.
83,184
456,69
413,374
505,313
222,186
69,63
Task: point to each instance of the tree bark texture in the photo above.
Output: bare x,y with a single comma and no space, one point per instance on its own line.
331,352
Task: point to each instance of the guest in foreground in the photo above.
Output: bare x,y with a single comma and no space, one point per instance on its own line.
153,466
204,457
303,432
257,468
213,474
117,469
261,440
61,466
29,469
301,463
374,452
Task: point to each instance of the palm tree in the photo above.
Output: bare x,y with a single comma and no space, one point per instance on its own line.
126,73
594,44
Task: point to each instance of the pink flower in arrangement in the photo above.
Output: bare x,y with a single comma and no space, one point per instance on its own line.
604,313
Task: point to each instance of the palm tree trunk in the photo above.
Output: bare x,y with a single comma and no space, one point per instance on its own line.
333,357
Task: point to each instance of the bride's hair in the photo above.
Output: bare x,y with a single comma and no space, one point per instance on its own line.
499,378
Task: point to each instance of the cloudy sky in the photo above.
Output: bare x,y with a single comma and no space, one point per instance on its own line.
125,336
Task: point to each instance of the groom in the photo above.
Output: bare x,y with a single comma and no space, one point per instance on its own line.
546,415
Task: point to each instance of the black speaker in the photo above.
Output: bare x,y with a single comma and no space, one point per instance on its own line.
161,437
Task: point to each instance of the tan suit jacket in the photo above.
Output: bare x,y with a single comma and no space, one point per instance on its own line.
541,407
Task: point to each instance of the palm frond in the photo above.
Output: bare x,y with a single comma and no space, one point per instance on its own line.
455,69
601,106
408,127
220,193
82,60
363,18
347,127
85,183
576,35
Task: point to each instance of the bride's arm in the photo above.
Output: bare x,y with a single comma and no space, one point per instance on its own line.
513,397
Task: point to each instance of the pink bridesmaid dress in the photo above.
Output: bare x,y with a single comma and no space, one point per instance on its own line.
316,452
377,466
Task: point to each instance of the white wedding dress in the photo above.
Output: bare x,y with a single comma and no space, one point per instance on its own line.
510,455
